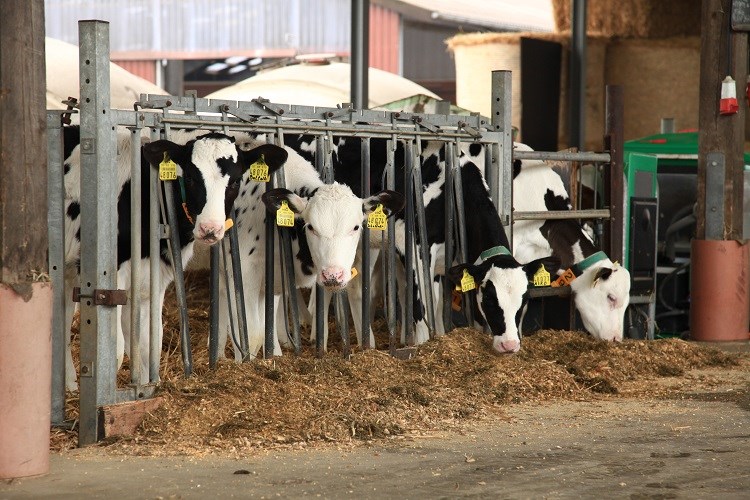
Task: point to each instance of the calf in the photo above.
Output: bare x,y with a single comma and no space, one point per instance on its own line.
325,237
601,287
209,167
501,282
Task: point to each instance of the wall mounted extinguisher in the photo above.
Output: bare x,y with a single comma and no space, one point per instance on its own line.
728,103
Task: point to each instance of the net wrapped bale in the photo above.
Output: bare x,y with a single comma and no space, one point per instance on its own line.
635,18
478,54
660,78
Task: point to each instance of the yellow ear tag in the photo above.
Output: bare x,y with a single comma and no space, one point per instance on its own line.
467,282
259,170
354,272
377,219
167,169
228,224
284,216
542,277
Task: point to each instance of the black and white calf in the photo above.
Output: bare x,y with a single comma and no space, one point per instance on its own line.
501,282
601,287
328,225
209,166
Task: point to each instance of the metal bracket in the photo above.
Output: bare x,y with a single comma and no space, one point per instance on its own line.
102,297
715,174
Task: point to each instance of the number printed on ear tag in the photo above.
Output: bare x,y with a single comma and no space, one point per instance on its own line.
284,215
541,277
467,282
377,219
167,169
259,170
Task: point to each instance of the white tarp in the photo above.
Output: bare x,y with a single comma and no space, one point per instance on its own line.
315,84
63,81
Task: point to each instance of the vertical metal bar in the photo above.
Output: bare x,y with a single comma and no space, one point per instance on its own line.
269,312
224,254
342,321
360,29
321,315
424,247
154,243
449,224
667,126
615,188
365,170
98,229
213,311
461,225
577,110
179,278
239,291
390,256
409,244
135,255
287,267
501,120
56,224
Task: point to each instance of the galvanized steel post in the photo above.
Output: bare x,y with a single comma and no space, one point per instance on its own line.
56,238
135,254
502,190
365,171
408,323
98,230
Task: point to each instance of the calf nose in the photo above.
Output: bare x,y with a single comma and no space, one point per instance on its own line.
332,275
210,232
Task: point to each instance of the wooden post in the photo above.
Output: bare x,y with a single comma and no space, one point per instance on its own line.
25,291
723,52
719,283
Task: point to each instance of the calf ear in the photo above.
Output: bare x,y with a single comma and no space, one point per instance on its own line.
603,273
392,202
154,153
274,197
478,272
551,264
274,156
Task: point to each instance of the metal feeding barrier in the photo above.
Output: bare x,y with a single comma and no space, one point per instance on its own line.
156,116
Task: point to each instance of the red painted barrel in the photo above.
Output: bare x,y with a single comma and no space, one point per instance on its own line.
25,380
719,290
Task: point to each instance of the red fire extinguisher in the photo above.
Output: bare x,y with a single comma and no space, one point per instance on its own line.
728,103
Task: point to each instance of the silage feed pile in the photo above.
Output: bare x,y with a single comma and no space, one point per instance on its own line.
452,381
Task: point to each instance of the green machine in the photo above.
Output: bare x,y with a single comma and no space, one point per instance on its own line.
661,178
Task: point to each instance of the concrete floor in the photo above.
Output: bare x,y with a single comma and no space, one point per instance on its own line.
697,447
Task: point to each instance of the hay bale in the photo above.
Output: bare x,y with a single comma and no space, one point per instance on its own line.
635,18
660,78
478,54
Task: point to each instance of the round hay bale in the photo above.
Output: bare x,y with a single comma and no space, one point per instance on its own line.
660,78
478,54
635,18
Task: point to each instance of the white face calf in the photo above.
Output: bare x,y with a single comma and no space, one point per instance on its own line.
333,218
501,286
602,294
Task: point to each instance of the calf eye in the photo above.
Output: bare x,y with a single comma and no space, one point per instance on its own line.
312,229
612,300
356,228
235,184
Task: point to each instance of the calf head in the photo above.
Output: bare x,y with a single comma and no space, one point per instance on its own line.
209,169
502,293
602,293
333,218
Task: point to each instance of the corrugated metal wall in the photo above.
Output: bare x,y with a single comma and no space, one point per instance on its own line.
385,39
144,69
180,29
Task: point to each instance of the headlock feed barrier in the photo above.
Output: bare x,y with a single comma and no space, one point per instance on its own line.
156,117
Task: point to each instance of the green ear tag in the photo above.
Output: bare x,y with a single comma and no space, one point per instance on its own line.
542,277
467,282
259,170
167,169
377,219
284,216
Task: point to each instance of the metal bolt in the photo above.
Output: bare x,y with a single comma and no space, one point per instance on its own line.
713,164
329,114
713,209
281,111
84,369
